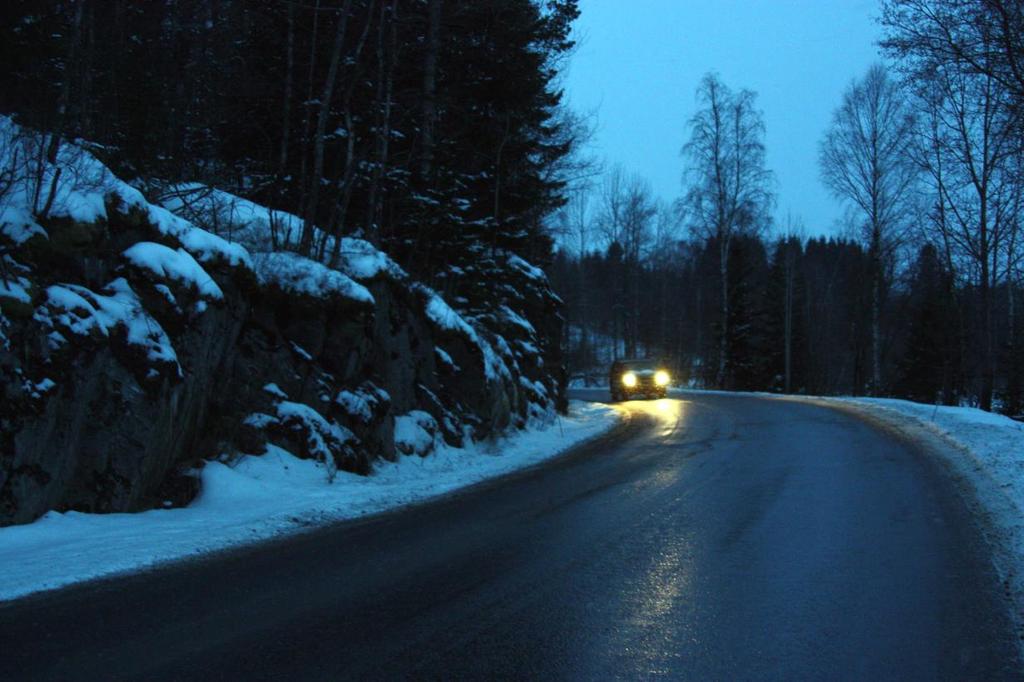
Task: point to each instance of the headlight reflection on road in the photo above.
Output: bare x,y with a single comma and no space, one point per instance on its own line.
653,601
668,412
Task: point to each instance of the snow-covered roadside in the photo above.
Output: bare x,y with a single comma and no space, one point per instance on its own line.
263,497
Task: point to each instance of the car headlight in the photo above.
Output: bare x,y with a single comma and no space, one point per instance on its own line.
661,378
629,379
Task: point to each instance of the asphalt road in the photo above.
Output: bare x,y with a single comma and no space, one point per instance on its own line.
711,538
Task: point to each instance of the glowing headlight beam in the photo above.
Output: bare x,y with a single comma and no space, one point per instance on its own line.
661,378
629,379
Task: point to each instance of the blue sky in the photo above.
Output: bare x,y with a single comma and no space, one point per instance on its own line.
639,62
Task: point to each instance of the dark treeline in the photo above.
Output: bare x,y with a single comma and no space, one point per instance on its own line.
429,127
801,320
918,298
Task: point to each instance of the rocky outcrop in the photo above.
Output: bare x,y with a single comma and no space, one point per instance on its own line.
134,346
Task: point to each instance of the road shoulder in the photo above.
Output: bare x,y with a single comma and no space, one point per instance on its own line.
969,448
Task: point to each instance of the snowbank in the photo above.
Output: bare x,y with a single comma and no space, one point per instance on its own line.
262,497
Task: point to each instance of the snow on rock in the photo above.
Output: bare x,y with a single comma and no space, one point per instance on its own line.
360,260
15,287
442,315
260,497
300,351
205,246
355,405
323,438
82,191
416,433
18,225
174,264
267,230
275,390
364,403
78,311
293,273
258,227
260,420
12,285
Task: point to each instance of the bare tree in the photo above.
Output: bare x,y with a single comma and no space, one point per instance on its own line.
980,36
639,210
729,190
626,213
969,152
575,225
866,160
664,254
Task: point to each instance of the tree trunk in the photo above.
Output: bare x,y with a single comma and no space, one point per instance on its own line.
787,323
875,258
316,179
430,87
288,85
307,120
988,350
64,101
385,86
723,343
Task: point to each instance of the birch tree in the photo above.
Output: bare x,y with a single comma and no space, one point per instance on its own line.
969,151
983,37
729,189
866,161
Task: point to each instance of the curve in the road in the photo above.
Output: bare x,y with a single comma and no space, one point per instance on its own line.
715,537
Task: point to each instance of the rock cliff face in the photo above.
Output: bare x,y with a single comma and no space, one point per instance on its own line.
135,345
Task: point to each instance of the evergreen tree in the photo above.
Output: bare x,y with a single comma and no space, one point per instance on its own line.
926,369
783,320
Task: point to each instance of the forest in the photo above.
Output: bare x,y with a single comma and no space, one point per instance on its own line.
432,129
917,295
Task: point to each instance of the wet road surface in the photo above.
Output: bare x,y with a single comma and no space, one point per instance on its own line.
713,537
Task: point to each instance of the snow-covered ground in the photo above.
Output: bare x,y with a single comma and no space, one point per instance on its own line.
262,497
